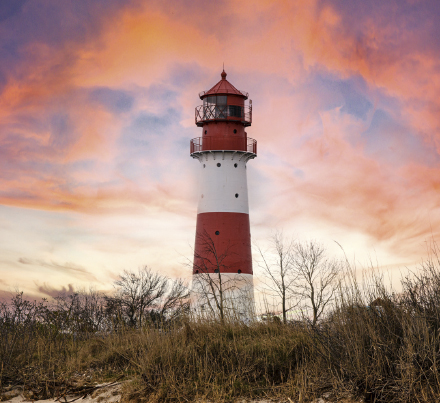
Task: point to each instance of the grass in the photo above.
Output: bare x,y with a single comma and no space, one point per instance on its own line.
220,362
373,344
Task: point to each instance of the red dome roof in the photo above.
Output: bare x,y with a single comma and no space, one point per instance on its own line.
223,87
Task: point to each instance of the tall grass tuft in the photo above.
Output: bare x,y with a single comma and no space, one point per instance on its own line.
384,346
221,362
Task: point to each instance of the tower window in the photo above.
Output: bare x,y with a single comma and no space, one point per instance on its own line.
239,271
215,100
235,131
235,165
217,232
236,195
204,166
197,272
216,271
215,107
206,131
235,111
219,165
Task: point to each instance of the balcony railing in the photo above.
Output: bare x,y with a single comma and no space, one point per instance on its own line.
210,112
246,144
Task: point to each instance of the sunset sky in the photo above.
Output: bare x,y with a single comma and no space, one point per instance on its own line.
97,103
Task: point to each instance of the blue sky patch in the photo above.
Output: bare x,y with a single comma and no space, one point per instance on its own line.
116,101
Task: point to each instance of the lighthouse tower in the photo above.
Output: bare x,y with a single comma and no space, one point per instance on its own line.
222,269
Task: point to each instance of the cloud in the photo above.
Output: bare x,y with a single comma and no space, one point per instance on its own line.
68,144
8,9
68,268
116,101
393,55
97,102
5,296
53,292
345,187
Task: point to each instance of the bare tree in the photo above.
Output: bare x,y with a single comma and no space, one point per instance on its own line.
80,312
315,276
137,291
279,272
224,295
147,296
176,301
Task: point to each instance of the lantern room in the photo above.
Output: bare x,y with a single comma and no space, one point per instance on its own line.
224,102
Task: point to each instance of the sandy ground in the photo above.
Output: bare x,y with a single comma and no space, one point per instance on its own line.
110,394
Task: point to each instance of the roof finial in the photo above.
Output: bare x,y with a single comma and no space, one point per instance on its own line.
223,72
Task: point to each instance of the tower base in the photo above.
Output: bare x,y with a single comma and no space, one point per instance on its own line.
223,296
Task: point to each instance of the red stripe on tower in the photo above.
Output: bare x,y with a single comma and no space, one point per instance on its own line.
231,235
223,245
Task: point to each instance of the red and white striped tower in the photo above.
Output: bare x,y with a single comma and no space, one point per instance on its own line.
222,269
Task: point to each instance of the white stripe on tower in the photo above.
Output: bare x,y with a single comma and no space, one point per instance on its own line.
223,183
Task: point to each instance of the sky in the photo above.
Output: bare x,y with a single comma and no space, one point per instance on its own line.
97,103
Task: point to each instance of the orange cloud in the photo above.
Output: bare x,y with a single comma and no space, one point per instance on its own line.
342,186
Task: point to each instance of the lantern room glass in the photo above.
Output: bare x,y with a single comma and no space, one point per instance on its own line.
216,107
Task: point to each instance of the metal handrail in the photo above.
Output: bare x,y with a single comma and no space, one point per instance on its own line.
205,113
200,144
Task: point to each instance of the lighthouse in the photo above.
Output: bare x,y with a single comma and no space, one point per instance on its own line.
222,267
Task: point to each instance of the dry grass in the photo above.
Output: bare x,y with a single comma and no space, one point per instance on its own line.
194,360
219,362
374,345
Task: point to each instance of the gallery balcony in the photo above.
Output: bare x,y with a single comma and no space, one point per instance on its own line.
243,144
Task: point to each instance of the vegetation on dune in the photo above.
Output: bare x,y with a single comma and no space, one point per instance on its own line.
370,343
